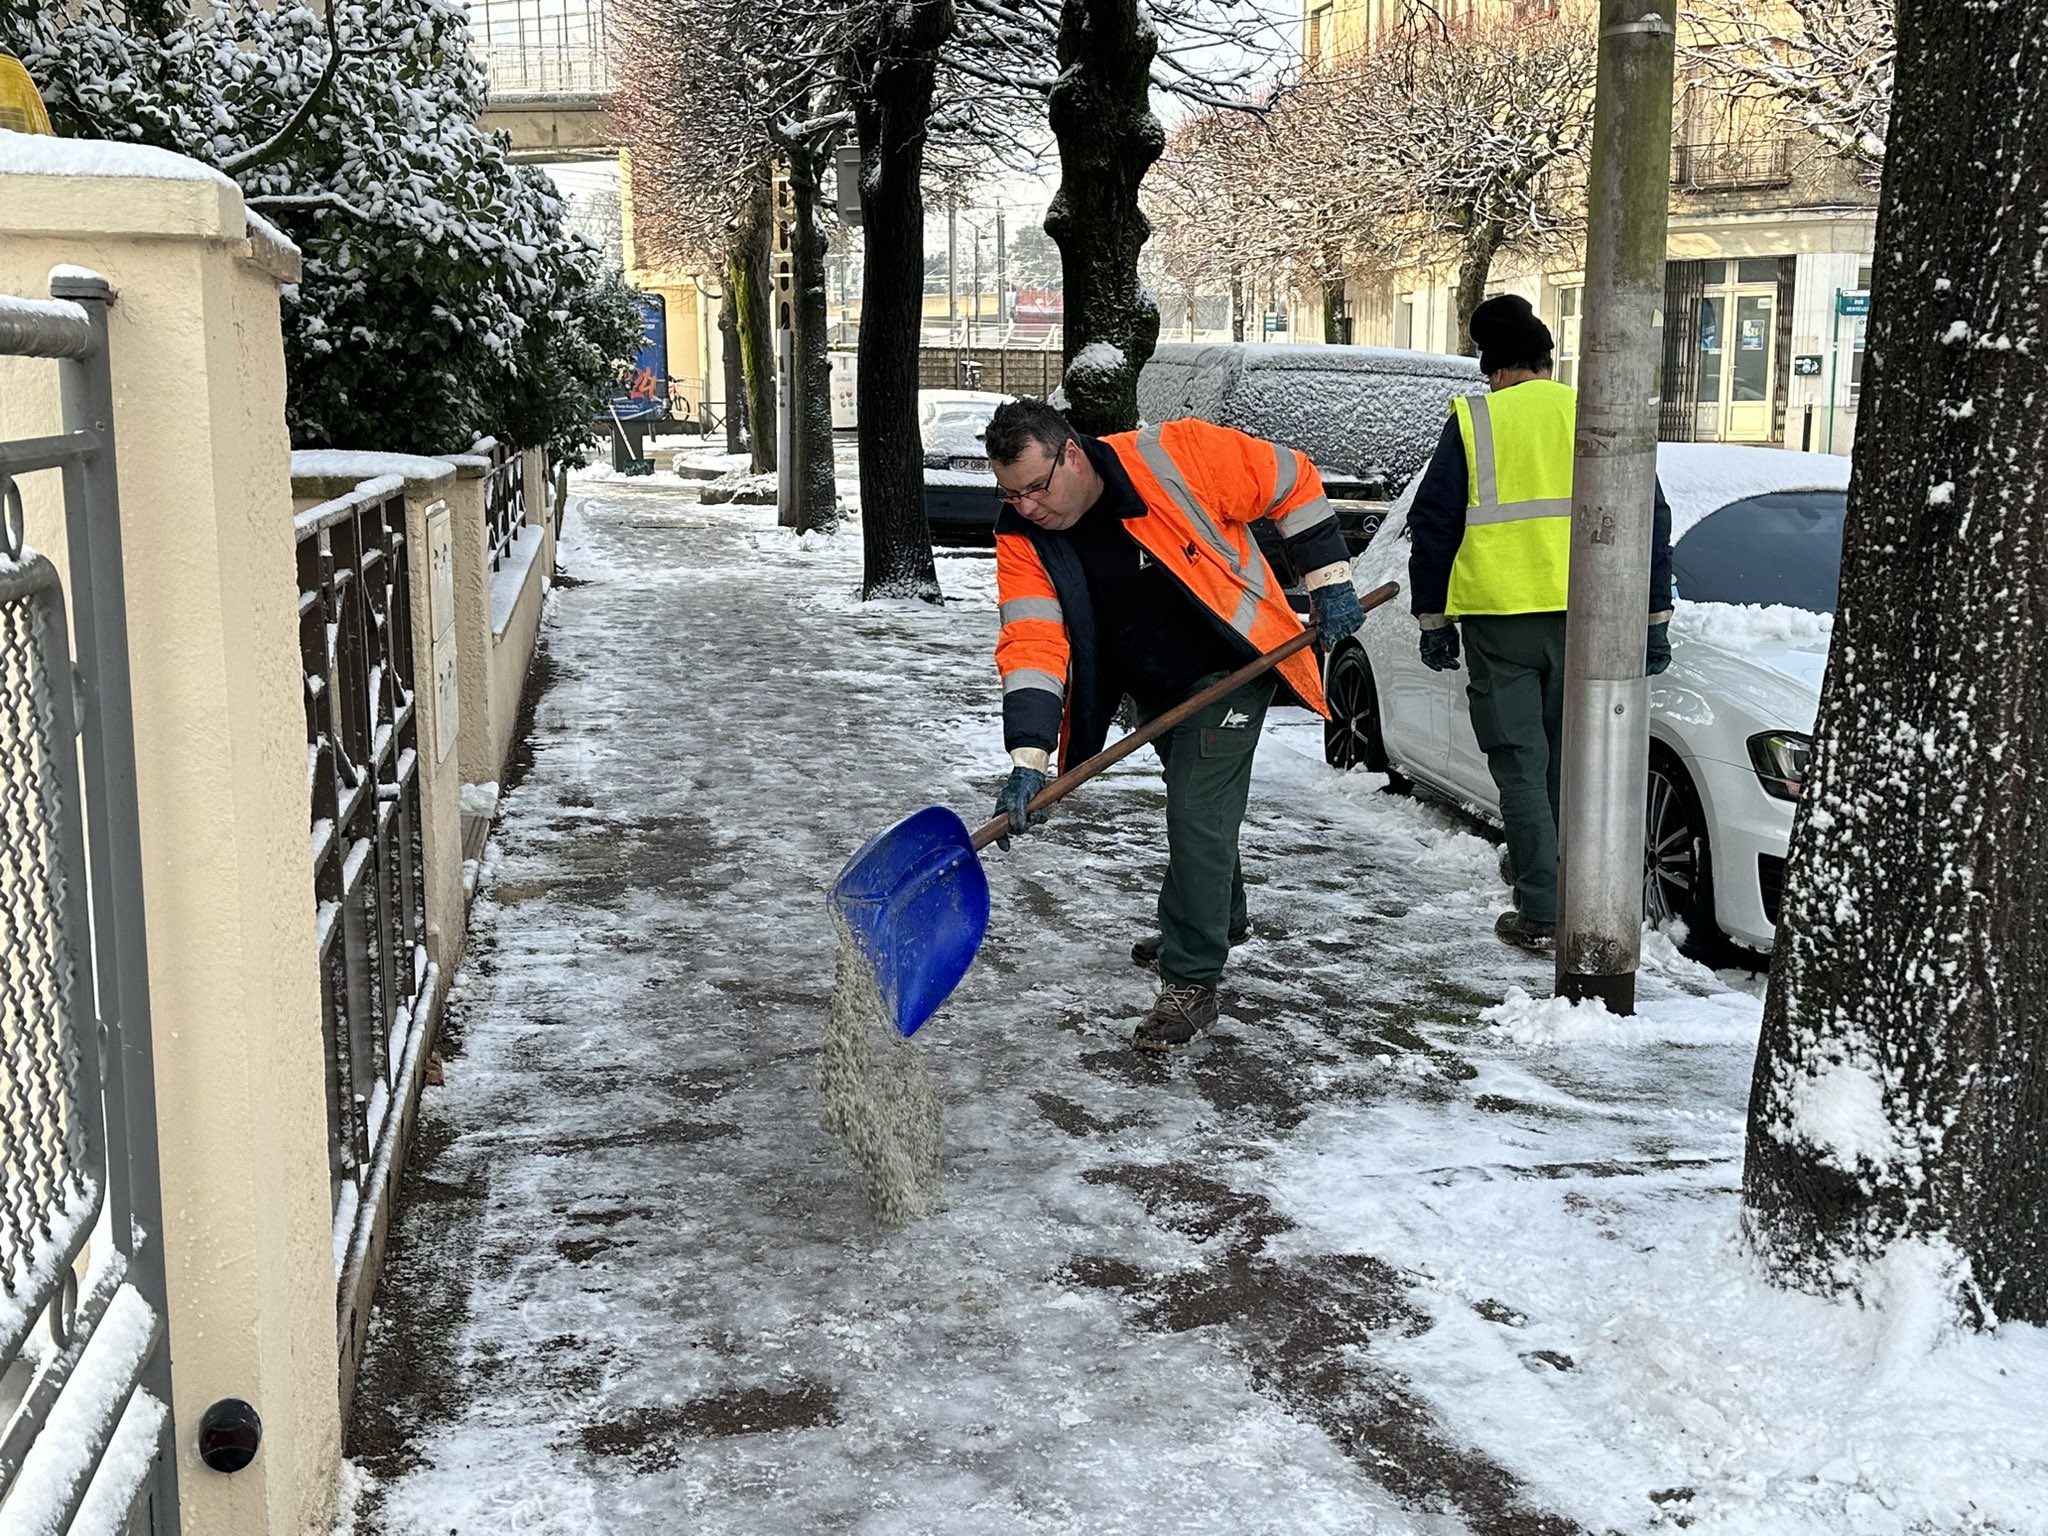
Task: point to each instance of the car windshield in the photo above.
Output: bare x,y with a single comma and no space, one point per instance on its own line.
956,426
1783,548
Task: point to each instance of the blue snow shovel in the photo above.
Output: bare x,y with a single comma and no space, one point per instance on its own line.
916,896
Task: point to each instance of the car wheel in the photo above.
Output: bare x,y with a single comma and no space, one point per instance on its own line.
1678,872
1351,736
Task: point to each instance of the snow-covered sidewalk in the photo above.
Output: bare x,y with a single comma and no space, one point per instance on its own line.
1398,1251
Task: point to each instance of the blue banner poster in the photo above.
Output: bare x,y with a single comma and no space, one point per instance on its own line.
645,390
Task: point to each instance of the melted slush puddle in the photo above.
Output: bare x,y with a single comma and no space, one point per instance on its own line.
879,1100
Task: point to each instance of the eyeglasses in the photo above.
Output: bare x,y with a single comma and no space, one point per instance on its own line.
1034,492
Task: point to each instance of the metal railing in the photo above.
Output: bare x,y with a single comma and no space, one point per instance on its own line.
1731,165
355,638
541,48
83,1318
504,497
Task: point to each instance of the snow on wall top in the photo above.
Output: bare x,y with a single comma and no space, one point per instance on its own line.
36,154
1352,409
351,464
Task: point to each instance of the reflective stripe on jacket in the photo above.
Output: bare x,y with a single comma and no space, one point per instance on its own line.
1516,553
1201,485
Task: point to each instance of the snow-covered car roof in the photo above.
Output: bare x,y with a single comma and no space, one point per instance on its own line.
1700,478
1352,409
960,399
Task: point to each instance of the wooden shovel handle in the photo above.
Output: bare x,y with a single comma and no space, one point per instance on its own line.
1153,729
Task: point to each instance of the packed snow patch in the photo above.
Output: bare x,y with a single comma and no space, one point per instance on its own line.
1743,626
480,799
1098,360
1534,1021
1839,1112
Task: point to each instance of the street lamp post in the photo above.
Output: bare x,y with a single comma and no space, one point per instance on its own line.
1606,715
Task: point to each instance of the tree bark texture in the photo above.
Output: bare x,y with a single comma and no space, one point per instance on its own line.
1475,266
729,355
895,65
815,499
1101,114
1901,1087
754,316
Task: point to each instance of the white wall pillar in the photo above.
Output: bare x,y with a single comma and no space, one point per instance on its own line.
198,375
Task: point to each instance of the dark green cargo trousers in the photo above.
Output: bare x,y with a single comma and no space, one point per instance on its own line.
1208,762
1516,665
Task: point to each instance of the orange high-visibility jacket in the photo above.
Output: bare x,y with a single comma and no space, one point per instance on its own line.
1202,486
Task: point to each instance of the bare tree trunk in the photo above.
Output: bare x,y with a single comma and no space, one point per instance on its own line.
1101,114
816,498
755,308
896,65
735,366
1475,266
1237,306
1901,1086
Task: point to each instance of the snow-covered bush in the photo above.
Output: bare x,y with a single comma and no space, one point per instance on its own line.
441,298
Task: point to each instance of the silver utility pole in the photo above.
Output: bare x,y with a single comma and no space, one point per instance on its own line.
1606,709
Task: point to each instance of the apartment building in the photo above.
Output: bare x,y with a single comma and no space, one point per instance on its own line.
1768,274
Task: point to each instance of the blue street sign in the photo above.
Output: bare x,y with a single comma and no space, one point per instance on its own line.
1852,303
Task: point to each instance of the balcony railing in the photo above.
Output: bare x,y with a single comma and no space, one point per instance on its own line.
1729,165
541,48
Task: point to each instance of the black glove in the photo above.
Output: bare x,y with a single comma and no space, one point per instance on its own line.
1440,648
1018,791
1658,654
1337,611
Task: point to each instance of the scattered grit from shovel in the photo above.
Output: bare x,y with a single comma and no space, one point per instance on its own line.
880,1101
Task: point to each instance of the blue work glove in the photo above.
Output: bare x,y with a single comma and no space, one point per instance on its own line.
1018,791
1658,655
1440,648
1337,612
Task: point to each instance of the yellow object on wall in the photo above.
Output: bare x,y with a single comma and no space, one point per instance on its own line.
21,104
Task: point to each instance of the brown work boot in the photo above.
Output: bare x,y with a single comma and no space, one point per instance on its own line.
1145,952
1525,933
1179,1017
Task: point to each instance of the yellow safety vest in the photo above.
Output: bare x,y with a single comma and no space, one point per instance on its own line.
1516,556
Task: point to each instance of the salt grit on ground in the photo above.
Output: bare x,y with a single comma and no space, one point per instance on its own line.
1401,1250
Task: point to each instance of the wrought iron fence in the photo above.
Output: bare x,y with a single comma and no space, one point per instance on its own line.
85,1446
355,637
504,497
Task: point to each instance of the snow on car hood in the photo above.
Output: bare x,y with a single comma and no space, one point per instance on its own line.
1768,656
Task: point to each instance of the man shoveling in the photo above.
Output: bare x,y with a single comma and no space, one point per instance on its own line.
1126,565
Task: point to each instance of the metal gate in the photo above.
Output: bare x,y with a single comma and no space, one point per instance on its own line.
84,1361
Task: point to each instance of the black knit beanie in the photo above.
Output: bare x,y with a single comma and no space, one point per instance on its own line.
1508,335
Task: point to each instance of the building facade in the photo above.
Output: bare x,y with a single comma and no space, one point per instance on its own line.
1767,278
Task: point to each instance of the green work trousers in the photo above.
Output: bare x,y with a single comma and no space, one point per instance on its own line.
1208,762
1516,664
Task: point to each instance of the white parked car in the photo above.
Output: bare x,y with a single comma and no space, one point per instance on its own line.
959,488
1756,560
